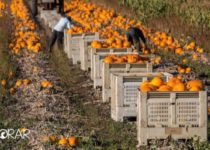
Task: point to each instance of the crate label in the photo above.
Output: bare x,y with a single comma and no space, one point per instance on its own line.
173,131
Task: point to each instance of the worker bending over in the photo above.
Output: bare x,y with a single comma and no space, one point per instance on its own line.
135,36
58,31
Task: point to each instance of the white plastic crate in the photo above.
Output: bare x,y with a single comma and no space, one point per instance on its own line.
180,115
97,56
73,44
85,51
107,69
124,92
96,68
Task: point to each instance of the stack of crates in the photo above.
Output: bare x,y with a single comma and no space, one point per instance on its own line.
181,115
124,92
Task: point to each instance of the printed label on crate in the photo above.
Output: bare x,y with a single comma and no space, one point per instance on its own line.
173,131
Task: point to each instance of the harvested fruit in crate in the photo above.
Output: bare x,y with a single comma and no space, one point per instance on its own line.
111,43
76,30
130,58
173,84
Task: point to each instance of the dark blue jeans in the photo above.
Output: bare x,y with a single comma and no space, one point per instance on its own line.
56,36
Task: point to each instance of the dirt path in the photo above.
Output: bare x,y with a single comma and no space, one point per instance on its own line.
46,108
44,111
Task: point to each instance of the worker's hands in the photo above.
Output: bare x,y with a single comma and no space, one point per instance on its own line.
146,46
71,26
137,52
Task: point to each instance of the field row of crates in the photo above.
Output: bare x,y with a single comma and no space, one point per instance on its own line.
180,115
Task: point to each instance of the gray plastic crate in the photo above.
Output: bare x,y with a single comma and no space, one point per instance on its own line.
104,52
107,69
73,44
85,52
96,66
124,92
180,115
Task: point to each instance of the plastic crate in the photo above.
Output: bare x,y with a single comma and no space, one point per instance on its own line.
124,92
96,65
107,69
96,68
180,115
73,44
85,50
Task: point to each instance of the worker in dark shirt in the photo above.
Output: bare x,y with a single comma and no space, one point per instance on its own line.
135,36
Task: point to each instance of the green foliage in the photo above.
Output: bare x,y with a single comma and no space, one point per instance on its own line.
194,12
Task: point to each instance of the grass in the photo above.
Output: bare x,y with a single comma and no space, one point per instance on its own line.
195,12
94,123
